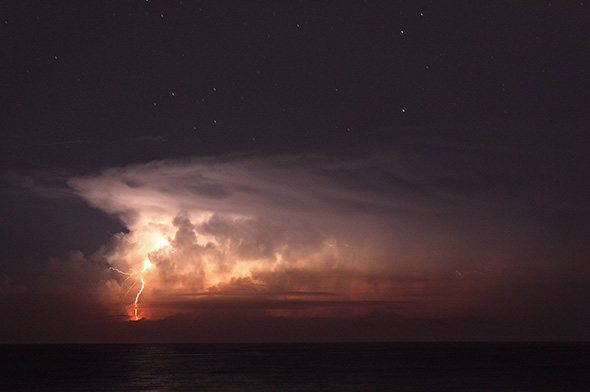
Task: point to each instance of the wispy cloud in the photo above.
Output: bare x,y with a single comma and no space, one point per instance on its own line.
68,142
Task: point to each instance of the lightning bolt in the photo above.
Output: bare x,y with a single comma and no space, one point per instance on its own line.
146,265
119,271
137,298
146,241
137,275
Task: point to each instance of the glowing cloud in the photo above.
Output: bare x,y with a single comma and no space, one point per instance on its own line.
284,227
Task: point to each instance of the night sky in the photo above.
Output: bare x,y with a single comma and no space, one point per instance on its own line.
294,171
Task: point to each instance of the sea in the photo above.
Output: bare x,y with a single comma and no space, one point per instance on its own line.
297,367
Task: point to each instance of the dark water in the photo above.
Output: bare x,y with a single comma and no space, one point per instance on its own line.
297,367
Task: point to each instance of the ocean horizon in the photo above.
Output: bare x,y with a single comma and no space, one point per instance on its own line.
433,366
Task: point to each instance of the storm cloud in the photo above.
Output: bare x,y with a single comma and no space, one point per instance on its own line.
446,232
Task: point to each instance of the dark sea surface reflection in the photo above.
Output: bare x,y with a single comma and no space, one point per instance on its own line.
297,367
